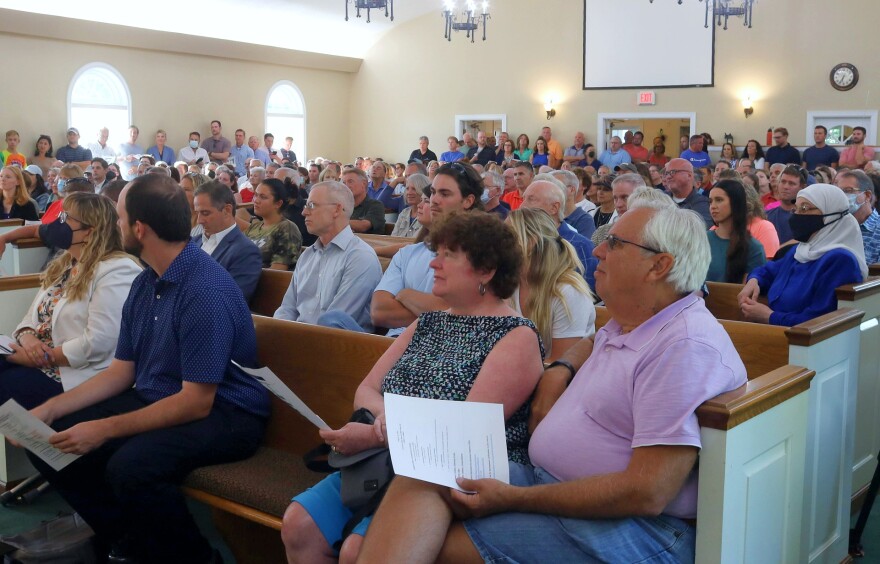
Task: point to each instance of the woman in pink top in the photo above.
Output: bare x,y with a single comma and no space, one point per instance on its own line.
758,226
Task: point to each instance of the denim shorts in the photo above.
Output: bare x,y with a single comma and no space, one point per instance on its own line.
324,505
530,537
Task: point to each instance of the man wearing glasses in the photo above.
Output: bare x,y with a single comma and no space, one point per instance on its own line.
335,277
678,176
781,151
860,190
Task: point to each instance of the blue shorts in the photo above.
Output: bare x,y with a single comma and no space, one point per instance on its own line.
530,537
324,505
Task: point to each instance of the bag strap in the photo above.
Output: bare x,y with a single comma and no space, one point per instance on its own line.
316,459
363,512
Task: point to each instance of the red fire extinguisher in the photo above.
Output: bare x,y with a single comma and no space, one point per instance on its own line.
769,136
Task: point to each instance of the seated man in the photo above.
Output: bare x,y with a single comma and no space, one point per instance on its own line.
623,487
338,273
221,238
172,400
580,220
368,215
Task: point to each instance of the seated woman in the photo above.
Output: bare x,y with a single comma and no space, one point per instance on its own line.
605,211
759,227
189,183
407,224
69,333
37,189
278,239
735,253
552,292
16,202
478,350
800,286
226,177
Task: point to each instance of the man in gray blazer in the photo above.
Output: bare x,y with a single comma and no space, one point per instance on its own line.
223,240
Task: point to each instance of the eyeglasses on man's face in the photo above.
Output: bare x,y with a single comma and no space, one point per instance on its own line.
312,205
614,242
673,172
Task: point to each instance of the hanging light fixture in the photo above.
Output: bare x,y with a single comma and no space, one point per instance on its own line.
371,5
466,21
722,10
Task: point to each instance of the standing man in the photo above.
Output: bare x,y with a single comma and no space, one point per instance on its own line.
554,148
216,145
679,179
73,152
423,153
171,401
240,153
781,152
99,174
192,154
100,148
287,153
575,154
791,180
637,152
614,155
695,153
857,154
129,153
367,215
268,141
454,153
260,151
481,153
820,153
339,271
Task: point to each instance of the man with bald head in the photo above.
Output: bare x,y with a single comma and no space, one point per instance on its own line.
548,194
575,154
481,153
678,176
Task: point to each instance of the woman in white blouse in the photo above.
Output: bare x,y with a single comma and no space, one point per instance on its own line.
70,331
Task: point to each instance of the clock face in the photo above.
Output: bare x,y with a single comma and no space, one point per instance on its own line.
844,76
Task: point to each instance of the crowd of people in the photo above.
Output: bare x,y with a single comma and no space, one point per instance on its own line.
133,347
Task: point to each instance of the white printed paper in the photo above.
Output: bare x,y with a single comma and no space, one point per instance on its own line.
6,344
274,384
438,441
19,425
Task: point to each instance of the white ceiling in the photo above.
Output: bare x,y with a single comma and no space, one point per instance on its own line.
316,26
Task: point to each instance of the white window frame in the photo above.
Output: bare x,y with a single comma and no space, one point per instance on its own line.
301,158
819,115
461,121
84,69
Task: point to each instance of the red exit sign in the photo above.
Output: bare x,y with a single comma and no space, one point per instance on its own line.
647,98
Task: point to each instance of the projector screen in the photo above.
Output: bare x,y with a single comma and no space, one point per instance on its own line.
639,44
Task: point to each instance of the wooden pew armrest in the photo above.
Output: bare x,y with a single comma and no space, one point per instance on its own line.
19,282
735,407
29,243
824,327
853,292
874,269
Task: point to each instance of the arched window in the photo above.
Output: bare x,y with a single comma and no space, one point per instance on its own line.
286,117
98,97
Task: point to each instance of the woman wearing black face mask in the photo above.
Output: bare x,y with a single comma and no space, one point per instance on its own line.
801,285
69,333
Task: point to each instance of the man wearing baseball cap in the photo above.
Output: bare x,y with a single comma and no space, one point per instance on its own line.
73,152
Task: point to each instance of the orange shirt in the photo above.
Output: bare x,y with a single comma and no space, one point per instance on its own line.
513,198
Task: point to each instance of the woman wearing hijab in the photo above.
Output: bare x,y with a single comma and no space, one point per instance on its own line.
800,286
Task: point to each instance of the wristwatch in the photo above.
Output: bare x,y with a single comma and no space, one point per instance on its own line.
566,364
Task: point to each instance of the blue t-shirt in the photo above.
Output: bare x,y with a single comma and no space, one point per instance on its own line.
784,155
451,156
779,218
189,324
700,159
718,265
815,156
584,249
582,222
385,194
800,291
540,160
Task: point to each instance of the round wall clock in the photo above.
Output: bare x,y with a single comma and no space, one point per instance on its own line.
844,76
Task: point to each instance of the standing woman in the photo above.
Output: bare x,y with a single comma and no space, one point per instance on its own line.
69,333
728,153
407,224
523,152
540,156
160,151
278,238
605,211
552,293
16,202
43,154
735,253
755,153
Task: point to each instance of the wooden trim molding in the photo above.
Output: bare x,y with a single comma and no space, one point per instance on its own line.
874,269
824,327
15,222
29,243
737,406
223,504
853,292
19,282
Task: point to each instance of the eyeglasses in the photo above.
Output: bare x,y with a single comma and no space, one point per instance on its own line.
64,216
673,172
613,241
312,205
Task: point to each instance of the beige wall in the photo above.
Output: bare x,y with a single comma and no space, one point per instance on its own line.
534,50
176,92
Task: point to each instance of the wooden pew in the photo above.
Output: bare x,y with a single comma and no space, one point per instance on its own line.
25,256
738,429
874,269
384,240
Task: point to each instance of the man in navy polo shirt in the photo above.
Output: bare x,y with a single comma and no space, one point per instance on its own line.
73,152
171,401
820,153
782,152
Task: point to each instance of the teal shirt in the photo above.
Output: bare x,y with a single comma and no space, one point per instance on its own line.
718,265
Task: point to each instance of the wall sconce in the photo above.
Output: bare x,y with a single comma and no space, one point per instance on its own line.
548,107
747,106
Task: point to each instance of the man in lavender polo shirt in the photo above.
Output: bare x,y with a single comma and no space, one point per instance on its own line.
614,452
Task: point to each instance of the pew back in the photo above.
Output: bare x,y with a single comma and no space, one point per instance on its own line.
270,291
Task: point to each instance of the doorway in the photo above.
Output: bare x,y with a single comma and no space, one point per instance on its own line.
667,128
491,124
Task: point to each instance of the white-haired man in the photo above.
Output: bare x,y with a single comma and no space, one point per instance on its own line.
623,487
339,271
575,216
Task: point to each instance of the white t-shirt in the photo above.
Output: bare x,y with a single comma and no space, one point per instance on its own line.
580,321
188,155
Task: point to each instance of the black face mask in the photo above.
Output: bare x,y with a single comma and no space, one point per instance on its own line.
804,226
59,235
